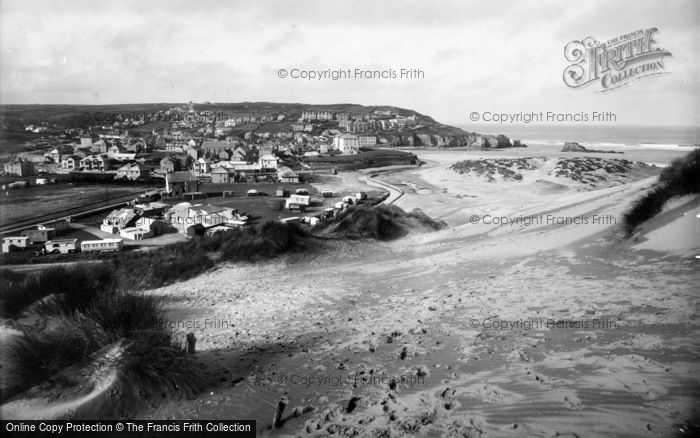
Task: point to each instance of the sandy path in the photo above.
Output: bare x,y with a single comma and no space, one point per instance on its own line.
488,330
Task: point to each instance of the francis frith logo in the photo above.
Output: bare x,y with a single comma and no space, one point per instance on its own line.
616,62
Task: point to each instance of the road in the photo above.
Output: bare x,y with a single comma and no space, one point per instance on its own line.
394,192
39,266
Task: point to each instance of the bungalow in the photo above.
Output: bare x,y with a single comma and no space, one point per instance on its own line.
145,227
12,243
209,215
133,171
287,175
134,233
156,225
184,216
118,219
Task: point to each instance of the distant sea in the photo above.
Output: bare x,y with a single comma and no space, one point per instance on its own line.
657,137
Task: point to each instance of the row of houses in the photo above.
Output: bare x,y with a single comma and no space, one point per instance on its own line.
377,125
317,115
101,147
90,163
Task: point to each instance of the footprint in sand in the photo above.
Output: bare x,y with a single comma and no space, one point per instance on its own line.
571,401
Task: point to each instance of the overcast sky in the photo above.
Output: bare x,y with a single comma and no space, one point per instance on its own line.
498,56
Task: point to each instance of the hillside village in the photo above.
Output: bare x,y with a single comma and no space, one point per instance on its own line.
206,144
183,148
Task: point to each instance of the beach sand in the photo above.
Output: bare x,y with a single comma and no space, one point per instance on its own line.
475,330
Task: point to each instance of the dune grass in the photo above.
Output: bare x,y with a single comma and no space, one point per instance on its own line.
682,177
153,357
381,222
359,222
89,311
39,355
70,289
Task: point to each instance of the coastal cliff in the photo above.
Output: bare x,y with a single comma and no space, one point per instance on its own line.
466,139
572,146
250,122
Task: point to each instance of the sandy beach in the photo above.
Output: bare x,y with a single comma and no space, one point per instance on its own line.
480,329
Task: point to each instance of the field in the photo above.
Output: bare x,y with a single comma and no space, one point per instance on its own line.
32,202
368,157
270,207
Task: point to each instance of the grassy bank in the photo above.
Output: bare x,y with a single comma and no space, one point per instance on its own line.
86,311
682,177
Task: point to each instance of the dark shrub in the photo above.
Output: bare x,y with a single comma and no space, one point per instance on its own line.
380,222
124,315
154,359
38,355
73,288
268,240
682,177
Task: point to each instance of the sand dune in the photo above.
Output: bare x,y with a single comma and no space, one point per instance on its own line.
476,330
